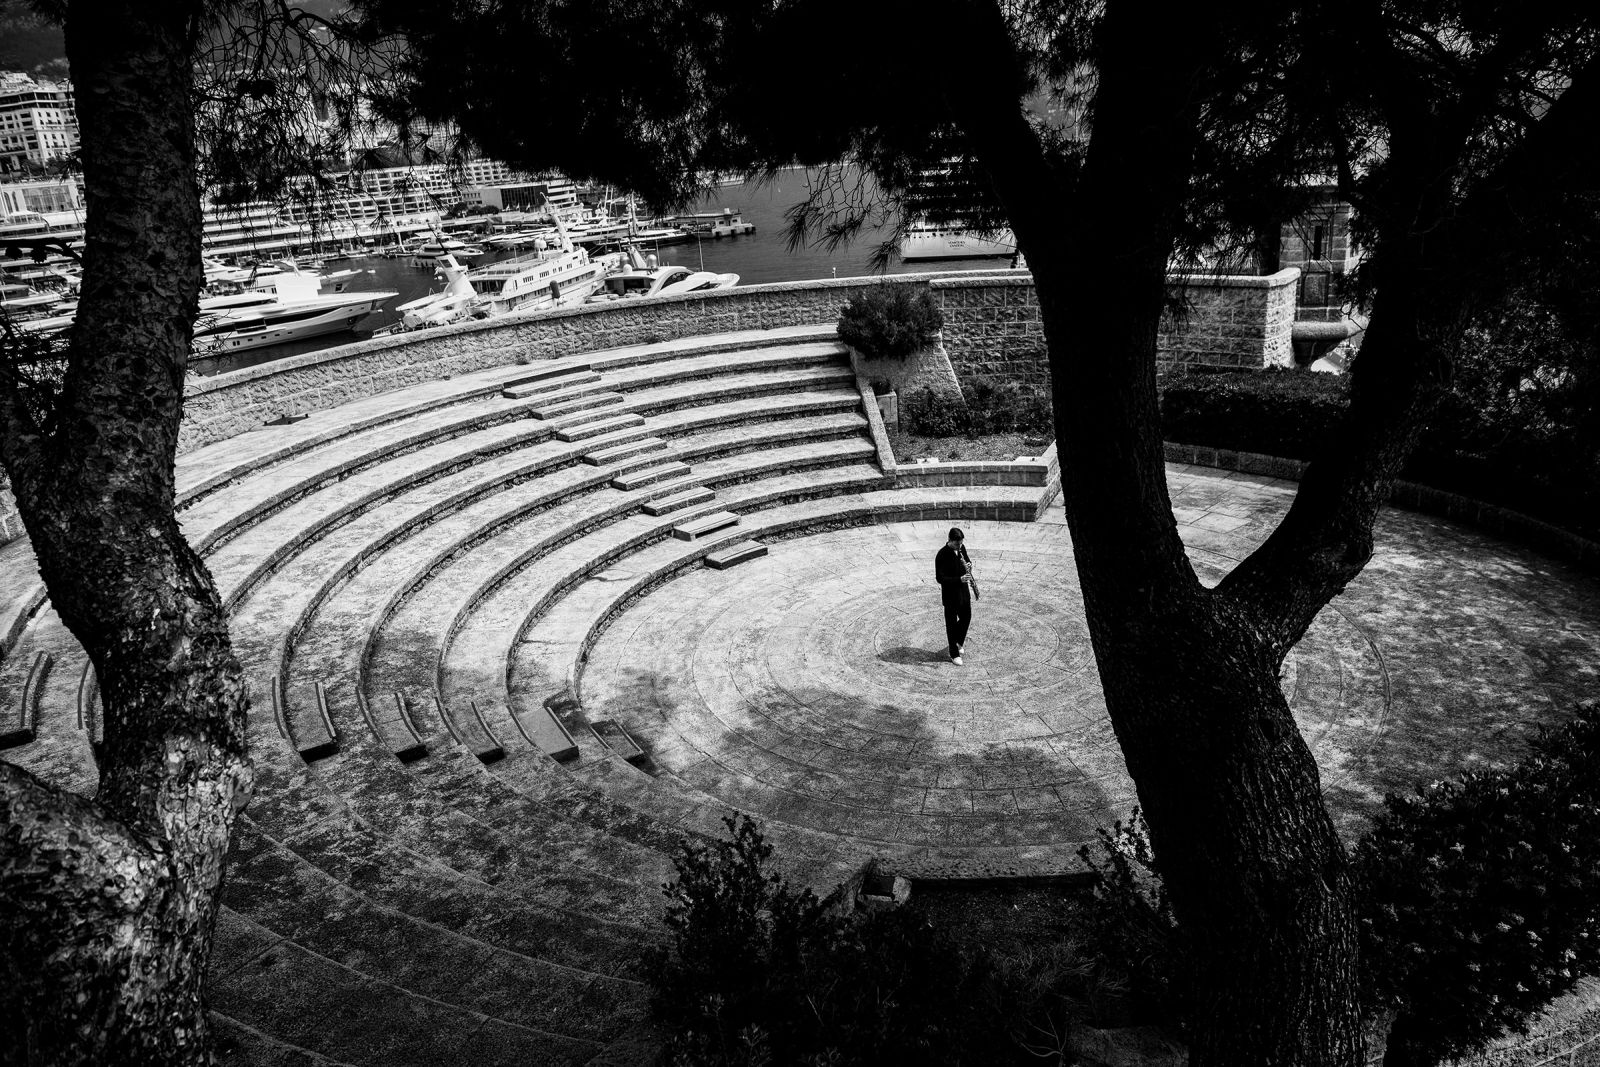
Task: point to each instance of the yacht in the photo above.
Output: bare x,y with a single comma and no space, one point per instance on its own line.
699,282
24,300
435,250
456,303
543,279
924,240
640,282
293,311
724,223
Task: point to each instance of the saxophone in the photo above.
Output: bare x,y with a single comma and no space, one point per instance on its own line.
972,582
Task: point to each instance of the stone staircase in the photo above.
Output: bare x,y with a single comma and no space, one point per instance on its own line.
448,858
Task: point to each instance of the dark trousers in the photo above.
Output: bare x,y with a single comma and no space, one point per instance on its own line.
957,616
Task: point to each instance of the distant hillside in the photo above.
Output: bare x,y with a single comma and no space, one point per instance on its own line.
29,42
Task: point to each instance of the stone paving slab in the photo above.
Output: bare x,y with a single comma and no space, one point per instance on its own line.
821,671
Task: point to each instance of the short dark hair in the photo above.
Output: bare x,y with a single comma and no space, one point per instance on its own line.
956,534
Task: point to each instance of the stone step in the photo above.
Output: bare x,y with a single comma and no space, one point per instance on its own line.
734,555
614,737
717,520
594,428
683,498
650,475
523,390
542,729
552,372
391,724
312,735
573,405
470,731
21,723
624,450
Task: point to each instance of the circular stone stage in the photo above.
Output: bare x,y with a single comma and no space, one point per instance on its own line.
812,686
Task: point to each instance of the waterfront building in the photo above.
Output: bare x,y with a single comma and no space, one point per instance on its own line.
38,121
39,196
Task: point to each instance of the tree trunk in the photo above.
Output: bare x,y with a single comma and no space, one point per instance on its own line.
107,907
1259,879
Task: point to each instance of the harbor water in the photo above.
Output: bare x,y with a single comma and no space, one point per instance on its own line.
758,258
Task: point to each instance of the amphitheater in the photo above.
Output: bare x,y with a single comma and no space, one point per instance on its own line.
523,604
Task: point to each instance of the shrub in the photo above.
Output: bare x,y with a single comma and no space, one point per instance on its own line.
762,973
1482,897
890,321
1277,412
1499,453
991,407
1131,929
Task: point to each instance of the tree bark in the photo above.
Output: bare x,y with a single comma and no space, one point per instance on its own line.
107,907
1258,877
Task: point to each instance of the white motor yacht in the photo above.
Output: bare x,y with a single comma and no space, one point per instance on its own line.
292,311
24,300
646,278
454,304
925,240
547,278
435,250
698,282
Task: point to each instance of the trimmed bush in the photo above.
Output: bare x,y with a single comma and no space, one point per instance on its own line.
1539,468
763,974
1276,412
1483,897
991,407
890,321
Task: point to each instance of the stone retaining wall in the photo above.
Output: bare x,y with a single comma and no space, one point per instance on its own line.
991,327
992,324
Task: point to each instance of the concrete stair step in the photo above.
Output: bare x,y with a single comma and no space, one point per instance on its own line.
650,475
734,555
523,389
441,815
573,405
270,886
584,429
683,498
624,450
21,721
544,731
392,726
705,524
614,737
469,730
553,371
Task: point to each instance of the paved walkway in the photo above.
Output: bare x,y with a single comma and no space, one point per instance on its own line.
820,672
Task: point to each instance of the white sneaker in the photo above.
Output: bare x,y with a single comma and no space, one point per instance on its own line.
956,660
960,649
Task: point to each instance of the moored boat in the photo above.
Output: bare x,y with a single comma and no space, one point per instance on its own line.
293,311
725,223
925,240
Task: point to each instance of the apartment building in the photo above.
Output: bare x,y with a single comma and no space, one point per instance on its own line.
38,121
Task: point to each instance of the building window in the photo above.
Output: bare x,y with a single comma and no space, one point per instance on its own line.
1318,234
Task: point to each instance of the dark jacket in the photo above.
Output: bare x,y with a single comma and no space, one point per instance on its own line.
949,566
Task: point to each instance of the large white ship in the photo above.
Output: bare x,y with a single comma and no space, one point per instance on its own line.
293,311
924,240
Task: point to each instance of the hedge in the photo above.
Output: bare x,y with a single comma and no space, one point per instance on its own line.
1293,413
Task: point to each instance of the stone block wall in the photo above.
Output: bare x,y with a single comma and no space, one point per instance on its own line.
1231,320
992,324
992,327
230,403
10,521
